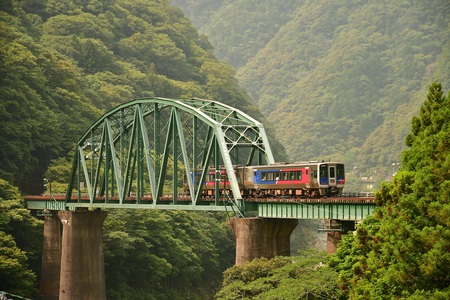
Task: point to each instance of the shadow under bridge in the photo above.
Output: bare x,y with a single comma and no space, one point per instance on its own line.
142,154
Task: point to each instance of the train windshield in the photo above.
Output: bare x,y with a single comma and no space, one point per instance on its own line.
340,173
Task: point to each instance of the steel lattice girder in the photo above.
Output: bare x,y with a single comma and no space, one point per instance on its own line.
129,150
330,211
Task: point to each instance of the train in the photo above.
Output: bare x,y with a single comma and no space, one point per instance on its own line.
301,179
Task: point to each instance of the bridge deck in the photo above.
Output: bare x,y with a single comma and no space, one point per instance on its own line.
343,208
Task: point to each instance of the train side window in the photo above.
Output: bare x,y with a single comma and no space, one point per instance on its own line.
284,175
299,175
263,176
277,175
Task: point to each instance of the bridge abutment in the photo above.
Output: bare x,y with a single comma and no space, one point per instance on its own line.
258,237
82,259
51,257
334,237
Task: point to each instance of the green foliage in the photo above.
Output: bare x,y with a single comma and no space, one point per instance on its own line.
39,89
20,244
165,255
14,275
305,276
403,250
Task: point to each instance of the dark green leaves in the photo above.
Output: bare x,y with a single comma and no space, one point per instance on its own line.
165,254
403,250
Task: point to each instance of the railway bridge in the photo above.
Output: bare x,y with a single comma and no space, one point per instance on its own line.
139,156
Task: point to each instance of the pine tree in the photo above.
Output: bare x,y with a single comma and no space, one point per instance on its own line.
404,249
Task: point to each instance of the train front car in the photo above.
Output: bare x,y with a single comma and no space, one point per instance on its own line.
331,178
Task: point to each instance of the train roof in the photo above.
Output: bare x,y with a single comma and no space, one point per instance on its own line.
296,164
283,164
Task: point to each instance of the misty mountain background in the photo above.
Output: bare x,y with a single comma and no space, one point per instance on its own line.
338,80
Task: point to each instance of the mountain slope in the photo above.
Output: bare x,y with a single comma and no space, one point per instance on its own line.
336,78
64,63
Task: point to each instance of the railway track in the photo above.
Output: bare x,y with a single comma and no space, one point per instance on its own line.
344,198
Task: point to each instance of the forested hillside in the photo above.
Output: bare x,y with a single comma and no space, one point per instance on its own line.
63,63
338,79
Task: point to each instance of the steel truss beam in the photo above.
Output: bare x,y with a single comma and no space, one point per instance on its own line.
143,152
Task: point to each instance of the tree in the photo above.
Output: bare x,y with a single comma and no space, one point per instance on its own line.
403,250
20,244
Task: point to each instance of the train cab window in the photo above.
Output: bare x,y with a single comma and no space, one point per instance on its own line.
340,170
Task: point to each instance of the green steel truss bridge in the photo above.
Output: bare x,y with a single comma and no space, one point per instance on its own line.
141,154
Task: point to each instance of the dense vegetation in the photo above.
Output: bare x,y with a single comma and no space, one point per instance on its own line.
403,250
338,79
166,255
305,276
20,244
63,63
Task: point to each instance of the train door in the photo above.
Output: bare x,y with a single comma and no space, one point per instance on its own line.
313,177
323,174
332,176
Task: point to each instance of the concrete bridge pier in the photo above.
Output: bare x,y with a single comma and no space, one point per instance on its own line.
334,237
259,237
82,259
51,257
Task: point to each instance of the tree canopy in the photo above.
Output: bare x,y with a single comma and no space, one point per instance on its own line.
166,255
20,244
305,276
403,250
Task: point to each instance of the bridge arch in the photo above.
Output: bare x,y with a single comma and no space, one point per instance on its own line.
143,152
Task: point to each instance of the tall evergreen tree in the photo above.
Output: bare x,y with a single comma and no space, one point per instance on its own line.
404,249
